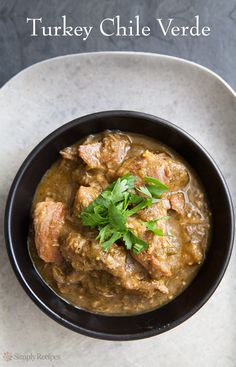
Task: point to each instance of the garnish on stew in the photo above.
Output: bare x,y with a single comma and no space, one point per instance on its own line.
120,200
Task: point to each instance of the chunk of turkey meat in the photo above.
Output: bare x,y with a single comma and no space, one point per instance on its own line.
88,255
70,153
109,153
49,219
162,258
158,165
91,154
177,202
84,197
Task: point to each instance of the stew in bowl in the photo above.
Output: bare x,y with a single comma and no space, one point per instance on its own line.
120,224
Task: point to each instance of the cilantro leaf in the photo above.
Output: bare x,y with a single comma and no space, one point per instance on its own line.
131,179
128,240
135,199
107,244
110,211
93,219
104,233
118,190
137,248
138,244
143,204
99,201
157,188
144,190
116,218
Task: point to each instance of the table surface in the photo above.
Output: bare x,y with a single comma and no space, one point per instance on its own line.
218,51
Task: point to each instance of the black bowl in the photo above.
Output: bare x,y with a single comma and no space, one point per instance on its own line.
17,218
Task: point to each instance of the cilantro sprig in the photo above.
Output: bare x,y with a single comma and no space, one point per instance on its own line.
110,211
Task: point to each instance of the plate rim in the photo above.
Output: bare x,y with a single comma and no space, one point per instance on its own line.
193,64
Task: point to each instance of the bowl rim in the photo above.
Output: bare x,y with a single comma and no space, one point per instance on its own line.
10,246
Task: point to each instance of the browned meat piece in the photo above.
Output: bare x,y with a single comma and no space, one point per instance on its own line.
131,165
164,168
85,196
195,241
109,153
114,150
135,224
162,258
177,202
48,223
193,254
155,258
156,211
95,177
87,255
160,166
99,181
152,262
91,154
70,153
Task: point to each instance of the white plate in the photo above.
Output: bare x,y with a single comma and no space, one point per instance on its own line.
48,94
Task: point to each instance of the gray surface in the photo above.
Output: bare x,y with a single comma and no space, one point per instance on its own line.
208,339
218,52
54,92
